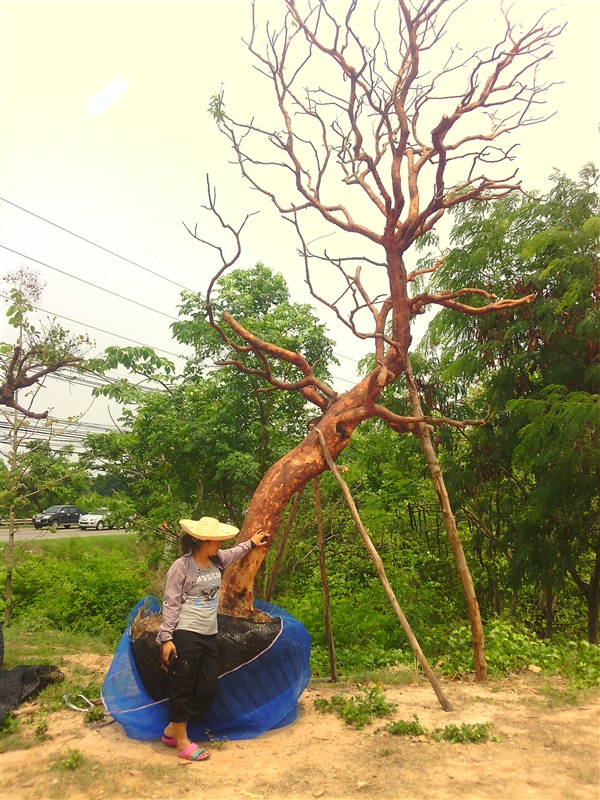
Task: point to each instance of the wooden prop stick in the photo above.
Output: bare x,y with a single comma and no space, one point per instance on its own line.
282,543
326,604
464,573
446,705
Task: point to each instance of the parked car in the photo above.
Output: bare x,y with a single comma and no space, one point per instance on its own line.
55,516
97,519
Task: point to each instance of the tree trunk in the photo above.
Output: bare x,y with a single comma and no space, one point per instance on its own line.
593,603
591,592
549,605
325,582
286,477
9,552
514,599
9,559
464,574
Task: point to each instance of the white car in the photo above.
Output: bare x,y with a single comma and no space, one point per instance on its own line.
98,520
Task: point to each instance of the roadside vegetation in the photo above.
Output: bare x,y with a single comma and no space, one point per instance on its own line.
74,595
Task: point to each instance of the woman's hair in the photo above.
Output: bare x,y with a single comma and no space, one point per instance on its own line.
189,544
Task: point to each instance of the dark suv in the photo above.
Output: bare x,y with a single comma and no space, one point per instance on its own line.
57,515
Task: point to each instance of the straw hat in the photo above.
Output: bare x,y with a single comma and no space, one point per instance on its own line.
208,528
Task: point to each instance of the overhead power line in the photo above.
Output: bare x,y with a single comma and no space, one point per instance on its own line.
94,285
95,244
101,330
117,255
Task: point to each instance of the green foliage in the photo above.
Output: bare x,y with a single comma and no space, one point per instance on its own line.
527,481
467,733
202,447
361,710
79,585
509,649
94,715
358,710
216,106
73,759
406,727
217,742
9,727
41,477
141,361
40,722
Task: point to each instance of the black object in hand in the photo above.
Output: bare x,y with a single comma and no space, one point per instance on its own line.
172,658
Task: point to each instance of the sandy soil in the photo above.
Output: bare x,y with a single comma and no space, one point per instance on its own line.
546,752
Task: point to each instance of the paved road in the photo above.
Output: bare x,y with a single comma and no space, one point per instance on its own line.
44,535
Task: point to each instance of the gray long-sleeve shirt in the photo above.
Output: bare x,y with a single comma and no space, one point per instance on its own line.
182,575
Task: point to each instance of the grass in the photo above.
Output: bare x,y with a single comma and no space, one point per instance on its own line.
73,774
23,647
557,694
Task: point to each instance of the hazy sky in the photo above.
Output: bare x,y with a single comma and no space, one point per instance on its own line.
104,132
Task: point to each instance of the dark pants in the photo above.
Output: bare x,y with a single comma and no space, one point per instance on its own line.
193,677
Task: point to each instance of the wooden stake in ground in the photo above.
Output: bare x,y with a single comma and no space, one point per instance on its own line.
282,543
464,573
325,582
446,705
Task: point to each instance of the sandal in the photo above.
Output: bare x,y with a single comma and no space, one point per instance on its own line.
169,741
194,753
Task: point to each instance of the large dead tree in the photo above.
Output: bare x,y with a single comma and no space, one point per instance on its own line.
399,128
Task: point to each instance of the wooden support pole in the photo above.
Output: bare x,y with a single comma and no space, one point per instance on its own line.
282,544
325,582
446,705
477,636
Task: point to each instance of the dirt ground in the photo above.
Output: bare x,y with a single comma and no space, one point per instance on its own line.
547,751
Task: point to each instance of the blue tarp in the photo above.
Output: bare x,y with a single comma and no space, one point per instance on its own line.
257,696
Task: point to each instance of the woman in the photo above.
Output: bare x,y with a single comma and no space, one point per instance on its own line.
188,633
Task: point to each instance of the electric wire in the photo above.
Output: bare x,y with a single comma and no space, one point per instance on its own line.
100,330
89,283
123,258
95,244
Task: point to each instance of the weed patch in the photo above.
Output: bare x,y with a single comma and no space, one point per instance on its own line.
478,733
455,734
358,710
71,760
406,727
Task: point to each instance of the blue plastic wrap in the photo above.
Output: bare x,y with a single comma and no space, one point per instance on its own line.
257,696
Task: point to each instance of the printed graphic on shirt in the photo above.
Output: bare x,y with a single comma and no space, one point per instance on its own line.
199,611
203,597
204,594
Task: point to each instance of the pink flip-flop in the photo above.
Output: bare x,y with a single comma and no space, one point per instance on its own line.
194,753
170,742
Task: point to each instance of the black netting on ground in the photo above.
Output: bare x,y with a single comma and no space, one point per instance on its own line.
239,642
21,683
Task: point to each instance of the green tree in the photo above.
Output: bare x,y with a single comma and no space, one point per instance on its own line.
24,367
536,466
202,443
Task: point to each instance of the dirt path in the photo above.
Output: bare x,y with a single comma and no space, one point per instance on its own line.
547,752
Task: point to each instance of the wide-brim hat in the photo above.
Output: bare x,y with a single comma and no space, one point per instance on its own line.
208,528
